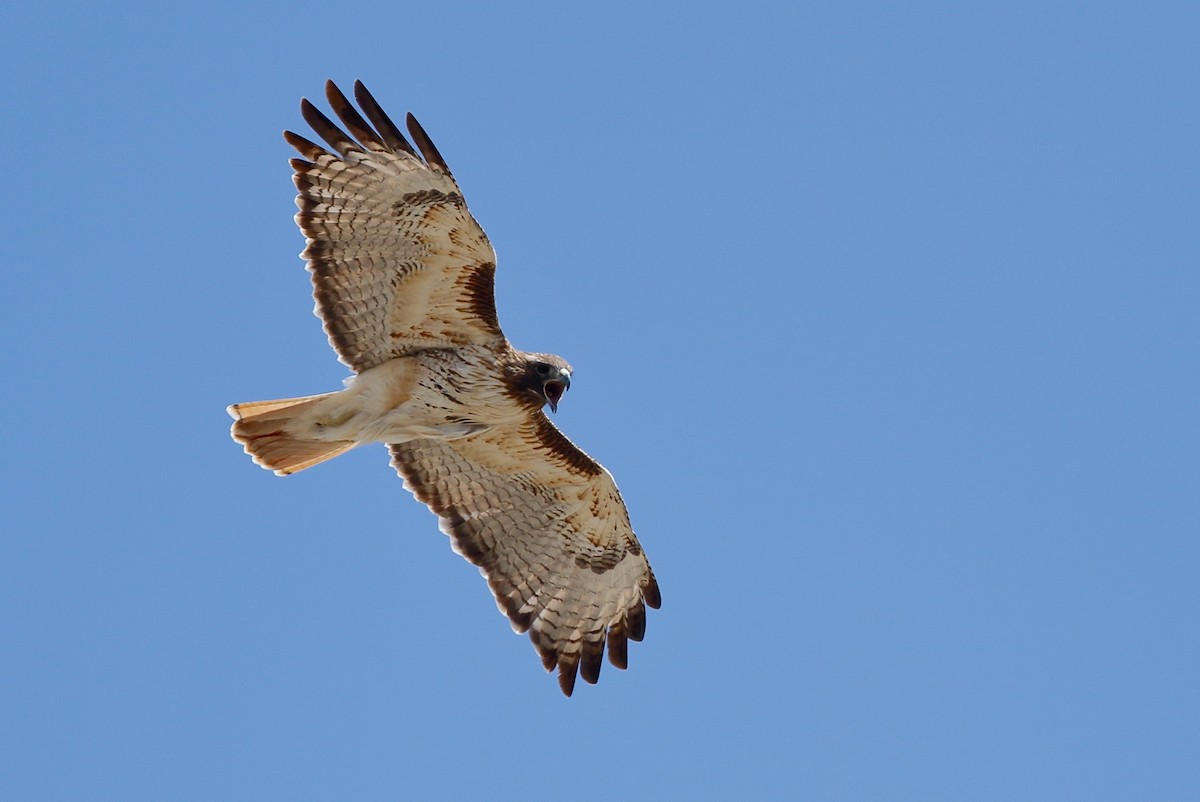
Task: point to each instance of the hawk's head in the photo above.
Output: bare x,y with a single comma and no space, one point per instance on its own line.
547,377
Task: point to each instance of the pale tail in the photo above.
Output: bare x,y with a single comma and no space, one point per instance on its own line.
262,427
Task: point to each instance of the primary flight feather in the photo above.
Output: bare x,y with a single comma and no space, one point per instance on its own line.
402,276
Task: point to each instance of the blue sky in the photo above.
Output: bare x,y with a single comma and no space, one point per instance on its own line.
883,316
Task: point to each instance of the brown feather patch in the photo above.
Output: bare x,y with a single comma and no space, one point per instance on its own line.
560,447
480,286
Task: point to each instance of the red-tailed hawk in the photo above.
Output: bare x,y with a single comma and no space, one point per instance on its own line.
402,276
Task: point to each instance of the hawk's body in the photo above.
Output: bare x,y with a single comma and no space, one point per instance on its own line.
402,276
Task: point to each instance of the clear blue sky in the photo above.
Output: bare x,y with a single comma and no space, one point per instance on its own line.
883,315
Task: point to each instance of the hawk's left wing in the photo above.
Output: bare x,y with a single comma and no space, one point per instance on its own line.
398,263
548,529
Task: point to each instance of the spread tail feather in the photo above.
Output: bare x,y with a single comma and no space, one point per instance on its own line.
262,427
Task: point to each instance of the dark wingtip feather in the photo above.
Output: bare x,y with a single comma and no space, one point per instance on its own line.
520,620
566,676
307,148
651,594
326,129
548,655
388,130
635,622
618,646
432,157
591,659
354,122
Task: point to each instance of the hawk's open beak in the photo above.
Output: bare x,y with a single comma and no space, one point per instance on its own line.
554,390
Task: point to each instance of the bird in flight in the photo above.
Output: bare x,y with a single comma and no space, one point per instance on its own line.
403,278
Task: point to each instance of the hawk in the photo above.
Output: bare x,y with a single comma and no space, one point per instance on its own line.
403,277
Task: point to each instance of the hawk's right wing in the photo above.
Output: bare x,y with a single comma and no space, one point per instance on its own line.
548,529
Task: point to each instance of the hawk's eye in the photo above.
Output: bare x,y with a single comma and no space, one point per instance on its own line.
543,370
